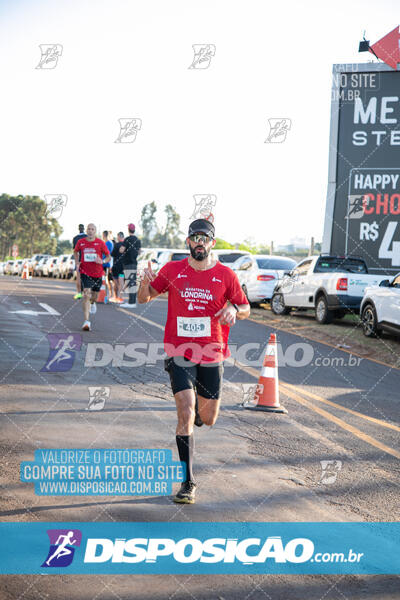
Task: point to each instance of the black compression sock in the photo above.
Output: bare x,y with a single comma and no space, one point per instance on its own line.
185,445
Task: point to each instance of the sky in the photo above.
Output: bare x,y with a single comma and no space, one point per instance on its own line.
203,131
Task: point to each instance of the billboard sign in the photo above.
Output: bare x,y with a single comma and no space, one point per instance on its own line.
363,204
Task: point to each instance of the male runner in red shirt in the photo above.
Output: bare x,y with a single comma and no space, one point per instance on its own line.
204,301
90,265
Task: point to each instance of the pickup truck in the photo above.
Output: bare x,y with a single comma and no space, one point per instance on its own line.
332,285
380,308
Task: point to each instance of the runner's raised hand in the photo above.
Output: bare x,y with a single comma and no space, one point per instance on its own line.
148,274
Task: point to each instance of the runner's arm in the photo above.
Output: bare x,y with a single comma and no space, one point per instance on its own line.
76,257
146,292
243,312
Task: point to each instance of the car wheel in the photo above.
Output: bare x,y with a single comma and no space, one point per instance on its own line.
369,321
278,306
322,312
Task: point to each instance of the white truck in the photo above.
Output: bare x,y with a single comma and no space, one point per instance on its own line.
380,308
332,285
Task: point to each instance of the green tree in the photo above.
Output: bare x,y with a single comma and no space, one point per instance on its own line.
24,221
222,244
64,247
148,223
170,236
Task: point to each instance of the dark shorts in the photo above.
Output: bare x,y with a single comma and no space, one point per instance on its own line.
206,380
117,272
94,283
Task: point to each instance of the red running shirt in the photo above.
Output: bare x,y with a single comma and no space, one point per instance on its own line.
194,297
89,250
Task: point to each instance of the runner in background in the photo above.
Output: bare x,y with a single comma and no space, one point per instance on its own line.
107,239
118,269
78,237
91,250
130,250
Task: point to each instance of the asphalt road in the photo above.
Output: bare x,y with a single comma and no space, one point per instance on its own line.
250,466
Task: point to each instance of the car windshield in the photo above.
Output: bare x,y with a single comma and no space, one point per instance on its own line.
229,258
275,263
179,255
336,264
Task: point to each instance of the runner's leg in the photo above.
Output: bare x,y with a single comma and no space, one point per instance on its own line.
184,430
78,282
208,409
208,385
107,281
93,296
87,292
120,285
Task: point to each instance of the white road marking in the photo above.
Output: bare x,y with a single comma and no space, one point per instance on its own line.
48,311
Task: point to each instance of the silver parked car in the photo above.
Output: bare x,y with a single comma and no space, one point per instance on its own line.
9,267
50,266
258,275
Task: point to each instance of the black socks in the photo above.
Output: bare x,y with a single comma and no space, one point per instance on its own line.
185,445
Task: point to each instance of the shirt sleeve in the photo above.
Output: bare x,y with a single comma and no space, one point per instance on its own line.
234,292
162,282
77,246
105,249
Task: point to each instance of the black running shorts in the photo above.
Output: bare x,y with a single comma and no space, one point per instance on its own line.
117,272
94,283
184,375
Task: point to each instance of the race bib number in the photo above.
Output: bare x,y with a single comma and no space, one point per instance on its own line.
193,326
89,256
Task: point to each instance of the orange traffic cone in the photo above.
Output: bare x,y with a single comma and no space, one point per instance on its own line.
266,397
25,272
102,294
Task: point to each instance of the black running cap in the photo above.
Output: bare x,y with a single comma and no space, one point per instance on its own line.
201,226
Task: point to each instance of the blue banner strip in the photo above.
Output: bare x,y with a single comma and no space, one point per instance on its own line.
150,548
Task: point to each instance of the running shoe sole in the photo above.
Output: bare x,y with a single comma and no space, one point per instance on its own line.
183,500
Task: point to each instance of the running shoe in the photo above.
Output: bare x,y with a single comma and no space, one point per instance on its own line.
197,419
127,305
93,308
186,494
78,296
86,326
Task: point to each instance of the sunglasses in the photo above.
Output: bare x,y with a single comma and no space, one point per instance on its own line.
200,237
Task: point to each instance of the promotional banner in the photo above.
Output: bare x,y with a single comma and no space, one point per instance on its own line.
366,215
150,548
